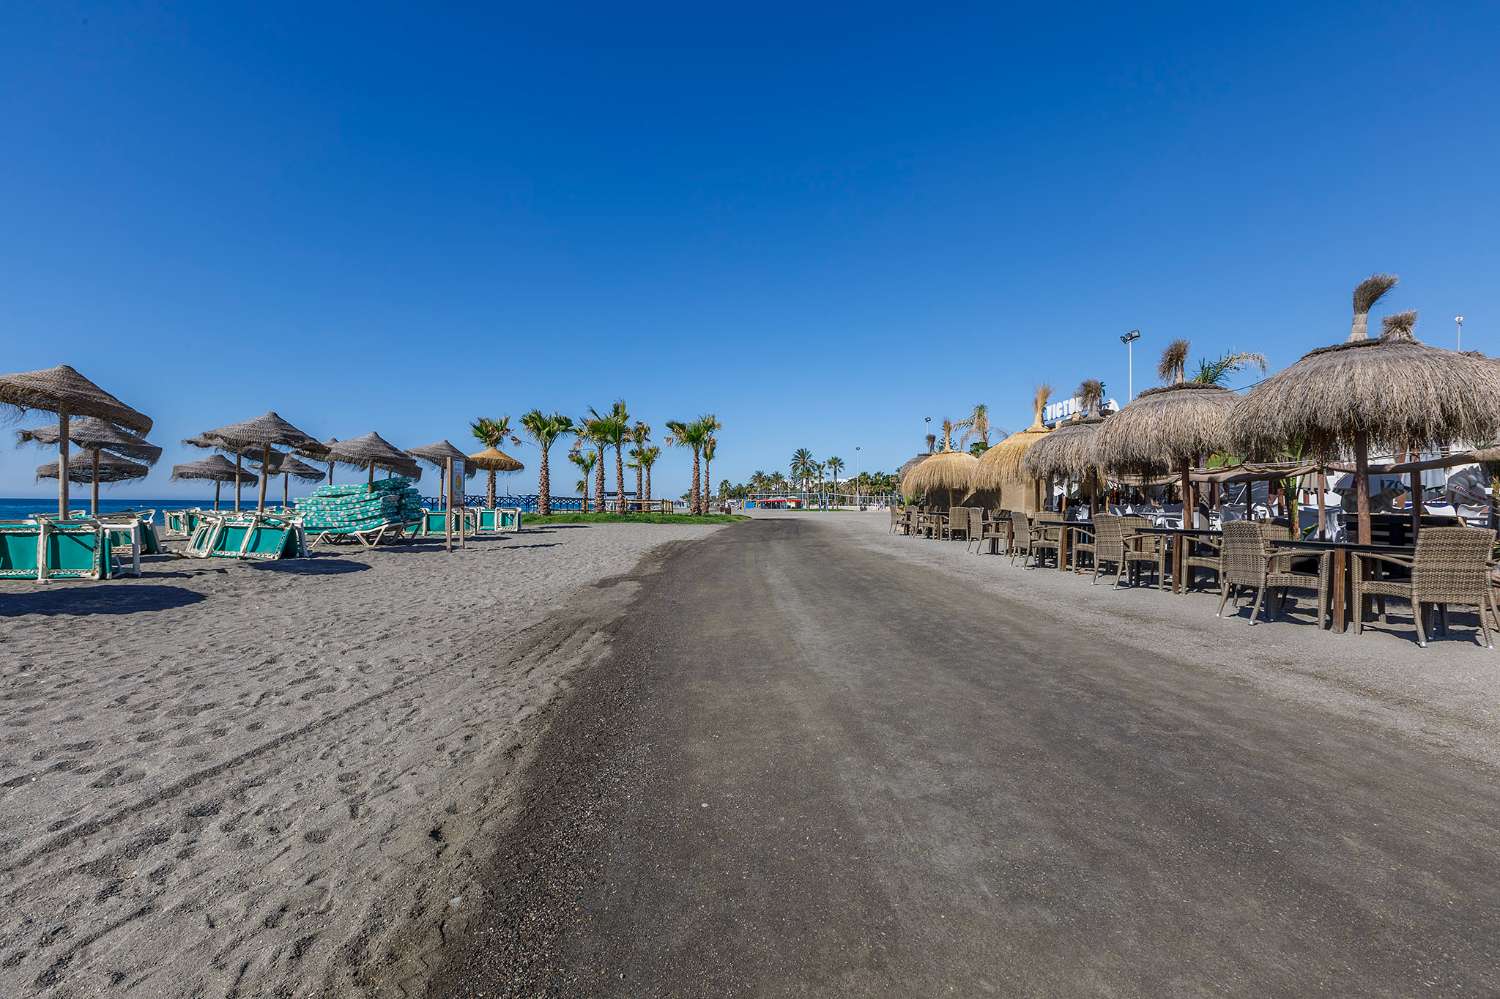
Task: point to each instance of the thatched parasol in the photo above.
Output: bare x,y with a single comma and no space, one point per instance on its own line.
447,459
258,435
289,467
492,459
1167,429
108,468
1391,394
1068,451
906,468
372,451
95,436
1002,463
216,469
948,469
63,391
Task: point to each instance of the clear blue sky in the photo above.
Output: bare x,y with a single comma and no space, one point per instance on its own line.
821,224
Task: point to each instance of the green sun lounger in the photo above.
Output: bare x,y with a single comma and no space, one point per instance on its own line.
500,518
259,537
43,549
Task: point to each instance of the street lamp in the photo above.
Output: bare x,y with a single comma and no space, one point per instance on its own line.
856,477
1460,321
1128,339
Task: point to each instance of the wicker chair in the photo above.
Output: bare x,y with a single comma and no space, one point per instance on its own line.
995,530
1142,549
1247,561
1209,554
1109,543
957,523
978,523
1085,540
897,515
1046,531
1451,566
1020,537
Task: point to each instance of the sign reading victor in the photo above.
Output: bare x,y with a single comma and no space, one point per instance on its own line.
1057,412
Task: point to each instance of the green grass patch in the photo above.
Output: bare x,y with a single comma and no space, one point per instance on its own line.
531,520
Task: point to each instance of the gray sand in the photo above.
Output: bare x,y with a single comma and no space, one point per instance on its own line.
1446,695
279,779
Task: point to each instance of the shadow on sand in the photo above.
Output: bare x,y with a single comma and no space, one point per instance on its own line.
322,566
106,599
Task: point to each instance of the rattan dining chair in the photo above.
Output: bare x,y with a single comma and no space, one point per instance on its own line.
1109,544
956,524
1046,529
896,515
1140,549
1247,561
1021,536
1451,566
1085,541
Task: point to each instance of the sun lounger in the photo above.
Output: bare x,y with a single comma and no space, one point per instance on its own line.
42,548
255,536
499,519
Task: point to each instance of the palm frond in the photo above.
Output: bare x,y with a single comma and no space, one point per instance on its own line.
1173,361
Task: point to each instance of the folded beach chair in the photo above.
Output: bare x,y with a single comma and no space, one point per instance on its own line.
499,519
42,548
256,536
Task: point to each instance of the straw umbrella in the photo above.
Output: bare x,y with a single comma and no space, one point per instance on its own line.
262,433
443,454
1068,450
371,451
1001,464
63,391
102,468
1394,393
1166,429
97,437
948,469
215,468
492,459
288,467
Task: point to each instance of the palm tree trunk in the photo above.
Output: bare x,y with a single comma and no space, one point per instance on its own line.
620,476
707,483
693,501
544,485
585,492
599,479
648,483
490,495
638,495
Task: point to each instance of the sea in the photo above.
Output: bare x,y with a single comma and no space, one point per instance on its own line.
17,509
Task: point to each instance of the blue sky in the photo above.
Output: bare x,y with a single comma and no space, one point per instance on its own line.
822,225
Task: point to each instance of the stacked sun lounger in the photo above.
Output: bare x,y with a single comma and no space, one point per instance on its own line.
252,535
364,513
42,548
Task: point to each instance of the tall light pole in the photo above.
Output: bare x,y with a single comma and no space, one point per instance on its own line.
1459,321
1128,340
856,478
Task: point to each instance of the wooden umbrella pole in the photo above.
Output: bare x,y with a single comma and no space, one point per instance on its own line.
62,466
265,473
1322,481
1416,500
286,489
94,487
1362,484
372,477
238,470
1189,513
217,486
448,504
330,473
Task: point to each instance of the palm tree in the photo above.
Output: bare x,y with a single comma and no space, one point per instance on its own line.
591,429
640,436
835,466
612,429
1216,371
491,432
975,425
710,445
645,459
545,429
692,435
801,467
585,460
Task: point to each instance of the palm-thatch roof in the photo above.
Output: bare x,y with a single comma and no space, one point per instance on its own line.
1068,451
1396,392
913,463
64,390
1164,427
438,453
215,468
285,464
492,459
1002,463
941,471
373,451
266,430
94,434
81,469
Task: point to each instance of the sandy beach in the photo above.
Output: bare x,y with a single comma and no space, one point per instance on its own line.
280,779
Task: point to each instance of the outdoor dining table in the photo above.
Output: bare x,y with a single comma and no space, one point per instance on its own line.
1180,536
1339,577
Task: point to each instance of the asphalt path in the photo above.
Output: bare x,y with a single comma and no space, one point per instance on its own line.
807,769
